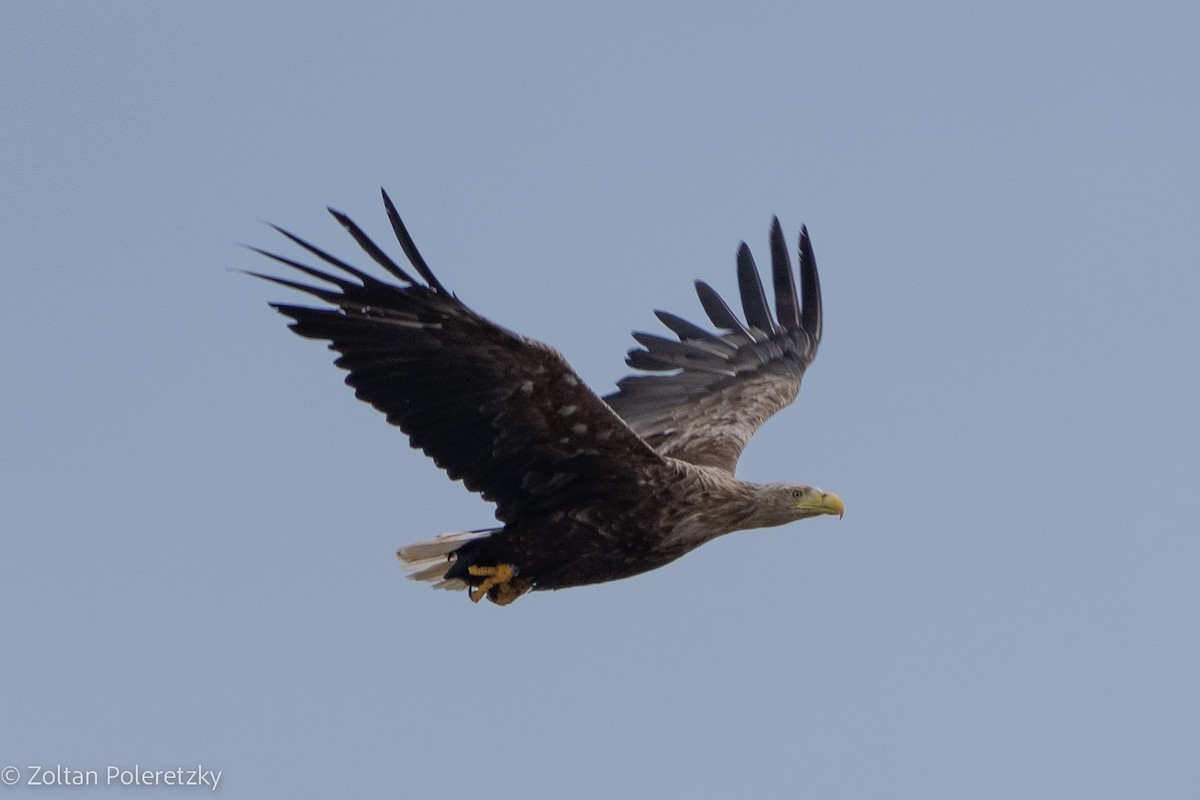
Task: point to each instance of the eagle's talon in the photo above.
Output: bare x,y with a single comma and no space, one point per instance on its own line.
499,584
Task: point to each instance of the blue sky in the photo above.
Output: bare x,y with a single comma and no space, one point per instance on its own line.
200,520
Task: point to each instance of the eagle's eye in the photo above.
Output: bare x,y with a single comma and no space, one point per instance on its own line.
797,494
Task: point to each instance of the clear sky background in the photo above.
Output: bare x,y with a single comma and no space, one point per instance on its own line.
199,520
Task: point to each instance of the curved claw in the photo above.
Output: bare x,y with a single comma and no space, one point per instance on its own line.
500,584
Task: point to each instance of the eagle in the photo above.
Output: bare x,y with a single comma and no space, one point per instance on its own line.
587,488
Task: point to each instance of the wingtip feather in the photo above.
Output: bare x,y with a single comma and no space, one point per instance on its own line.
810,289
409,246
787,305
754,297
718,310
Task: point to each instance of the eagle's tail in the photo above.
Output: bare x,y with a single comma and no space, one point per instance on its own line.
429,560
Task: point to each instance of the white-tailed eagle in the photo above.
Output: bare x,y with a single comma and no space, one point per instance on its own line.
587,488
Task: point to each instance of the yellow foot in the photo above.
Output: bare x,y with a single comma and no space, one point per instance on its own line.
500,584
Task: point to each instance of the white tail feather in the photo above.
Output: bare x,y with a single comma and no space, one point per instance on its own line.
429,560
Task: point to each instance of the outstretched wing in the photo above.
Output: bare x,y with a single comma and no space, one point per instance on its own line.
721,388
505,414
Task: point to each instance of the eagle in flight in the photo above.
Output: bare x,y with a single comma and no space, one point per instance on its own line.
587,488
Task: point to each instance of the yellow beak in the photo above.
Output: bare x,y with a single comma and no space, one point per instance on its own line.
823,503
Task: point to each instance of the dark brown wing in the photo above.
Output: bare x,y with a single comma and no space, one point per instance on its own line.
505,414
721,388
